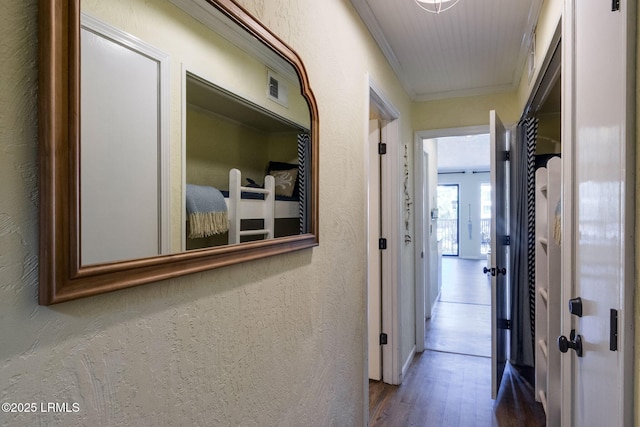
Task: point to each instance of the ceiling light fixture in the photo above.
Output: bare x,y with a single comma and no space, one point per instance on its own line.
436,6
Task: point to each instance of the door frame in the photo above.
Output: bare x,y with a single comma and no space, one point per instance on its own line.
566,250
374,267
549,72
423,287
391,225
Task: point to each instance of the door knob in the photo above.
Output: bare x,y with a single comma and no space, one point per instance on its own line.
495,271
575,306
574,342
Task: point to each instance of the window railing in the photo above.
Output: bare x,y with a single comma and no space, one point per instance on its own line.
485,235
448,234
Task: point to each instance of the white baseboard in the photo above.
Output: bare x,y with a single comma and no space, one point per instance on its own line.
433,307
407,363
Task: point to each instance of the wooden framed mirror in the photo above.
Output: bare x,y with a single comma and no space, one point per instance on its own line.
85,186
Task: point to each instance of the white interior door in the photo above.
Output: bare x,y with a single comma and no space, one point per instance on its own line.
124,182
499,278
119,177
374,273
422,234
391,230
598,211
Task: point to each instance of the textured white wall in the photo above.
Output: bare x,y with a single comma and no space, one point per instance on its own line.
338,52
279,341
469,111
549,19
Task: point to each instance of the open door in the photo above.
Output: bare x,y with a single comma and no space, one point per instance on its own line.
423,240
498,270
598,212
374,273
384,233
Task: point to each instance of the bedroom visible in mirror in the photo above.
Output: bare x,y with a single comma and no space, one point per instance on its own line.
164,156
232,148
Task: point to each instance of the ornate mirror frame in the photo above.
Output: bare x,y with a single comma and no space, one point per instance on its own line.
62,278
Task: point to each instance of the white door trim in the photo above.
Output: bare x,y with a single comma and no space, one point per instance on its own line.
422,287
392,230
566,251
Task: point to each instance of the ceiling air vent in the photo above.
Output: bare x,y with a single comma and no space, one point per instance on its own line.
276,88
273,87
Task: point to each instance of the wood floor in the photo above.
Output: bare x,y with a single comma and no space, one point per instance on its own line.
450,383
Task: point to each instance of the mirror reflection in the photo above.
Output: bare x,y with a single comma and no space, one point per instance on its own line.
232,147
193,133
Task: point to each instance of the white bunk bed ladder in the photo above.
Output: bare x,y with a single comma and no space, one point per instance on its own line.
236,211
548,304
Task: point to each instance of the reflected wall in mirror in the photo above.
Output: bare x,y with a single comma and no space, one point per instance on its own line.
178,118
225,135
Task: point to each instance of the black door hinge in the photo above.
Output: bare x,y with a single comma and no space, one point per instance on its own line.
613,330
504,324
382,148
506,240
507,155
615,5
382,243
383,339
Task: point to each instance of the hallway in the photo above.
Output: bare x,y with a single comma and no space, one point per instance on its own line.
450,384
461,321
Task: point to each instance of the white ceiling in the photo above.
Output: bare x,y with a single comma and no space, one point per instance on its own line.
463,153
477,47
212,99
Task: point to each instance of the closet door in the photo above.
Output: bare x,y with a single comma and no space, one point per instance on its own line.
599,212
